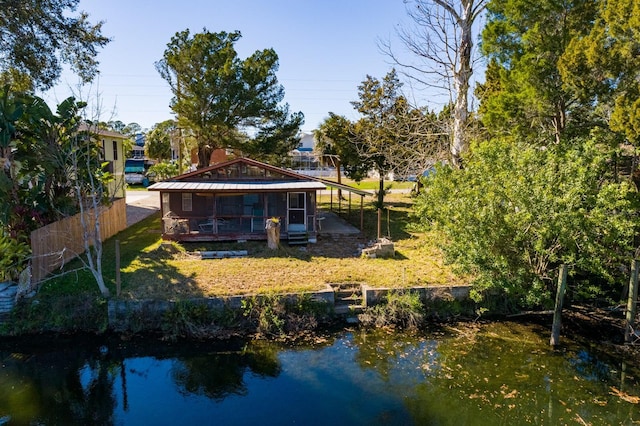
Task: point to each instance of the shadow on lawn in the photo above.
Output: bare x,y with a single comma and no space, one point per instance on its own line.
147,272
345,247
159,279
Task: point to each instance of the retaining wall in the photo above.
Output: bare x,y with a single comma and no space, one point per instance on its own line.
127,314
372,296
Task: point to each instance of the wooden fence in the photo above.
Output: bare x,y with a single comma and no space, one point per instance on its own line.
57,243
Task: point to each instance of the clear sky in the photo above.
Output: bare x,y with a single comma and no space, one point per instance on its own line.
326,49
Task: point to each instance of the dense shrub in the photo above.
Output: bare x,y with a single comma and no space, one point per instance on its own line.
516,212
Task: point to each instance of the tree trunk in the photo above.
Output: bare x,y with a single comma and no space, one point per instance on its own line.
461,76
204,156
273,234
557,314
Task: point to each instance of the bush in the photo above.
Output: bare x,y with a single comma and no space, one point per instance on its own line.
196,320
516,212
14,254
279,316
402,309
66,314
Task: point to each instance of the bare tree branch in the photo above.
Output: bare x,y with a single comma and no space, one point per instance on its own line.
442,41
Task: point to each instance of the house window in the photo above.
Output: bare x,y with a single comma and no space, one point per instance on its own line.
115,151
296,200
187,201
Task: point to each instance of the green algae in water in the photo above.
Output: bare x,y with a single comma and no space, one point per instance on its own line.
506,373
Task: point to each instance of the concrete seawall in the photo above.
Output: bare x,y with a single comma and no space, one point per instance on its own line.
138,315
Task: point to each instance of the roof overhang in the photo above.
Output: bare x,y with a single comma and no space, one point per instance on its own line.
342,186
236,186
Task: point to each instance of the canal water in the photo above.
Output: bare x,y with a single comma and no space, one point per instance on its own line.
492,374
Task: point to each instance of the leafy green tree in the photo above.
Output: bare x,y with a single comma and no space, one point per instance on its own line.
115,126
163,170
37,37
603,66
36,182
228,102
51,168
524,93
516,212
334,137
374,135
158,140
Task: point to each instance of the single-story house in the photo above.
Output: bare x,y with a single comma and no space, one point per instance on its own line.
234,199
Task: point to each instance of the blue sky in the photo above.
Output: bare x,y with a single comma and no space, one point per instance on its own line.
326,48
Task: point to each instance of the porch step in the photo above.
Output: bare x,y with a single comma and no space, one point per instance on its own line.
298,238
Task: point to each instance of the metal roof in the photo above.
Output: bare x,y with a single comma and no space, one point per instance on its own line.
235,186
342,186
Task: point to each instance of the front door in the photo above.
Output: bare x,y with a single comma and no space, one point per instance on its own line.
296,211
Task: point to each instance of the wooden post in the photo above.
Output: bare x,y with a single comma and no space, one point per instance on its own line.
362,213
631,301
118,282
331,198
557,314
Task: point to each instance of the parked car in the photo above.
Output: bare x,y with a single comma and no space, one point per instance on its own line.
134,171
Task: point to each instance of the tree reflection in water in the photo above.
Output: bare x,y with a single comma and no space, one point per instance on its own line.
58,387
502,373
219,375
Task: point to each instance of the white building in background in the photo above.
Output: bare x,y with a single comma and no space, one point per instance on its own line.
308,162
307,142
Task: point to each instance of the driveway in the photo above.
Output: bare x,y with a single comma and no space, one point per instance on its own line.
141,204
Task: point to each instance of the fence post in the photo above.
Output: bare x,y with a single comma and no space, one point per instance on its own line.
118,282
631,301
557,314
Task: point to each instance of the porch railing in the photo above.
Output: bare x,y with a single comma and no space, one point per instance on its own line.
177,225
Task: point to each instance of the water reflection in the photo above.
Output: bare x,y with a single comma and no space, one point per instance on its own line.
56,388
219,375
496,374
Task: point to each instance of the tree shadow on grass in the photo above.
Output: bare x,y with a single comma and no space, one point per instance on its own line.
146,271
158,279
346,247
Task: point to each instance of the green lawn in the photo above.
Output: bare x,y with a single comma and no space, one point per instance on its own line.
373,184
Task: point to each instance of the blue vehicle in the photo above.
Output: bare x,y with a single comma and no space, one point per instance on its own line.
134,171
